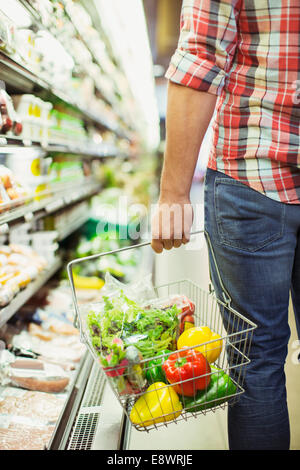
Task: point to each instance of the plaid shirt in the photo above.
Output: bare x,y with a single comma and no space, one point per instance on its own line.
248,53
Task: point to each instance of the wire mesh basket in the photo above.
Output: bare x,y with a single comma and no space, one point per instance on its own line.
177,384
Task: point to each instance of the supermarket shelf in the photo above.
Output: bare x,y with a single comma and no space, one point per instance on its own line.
18,77
38,24
7,312
87,45
8,143
62,234
50,201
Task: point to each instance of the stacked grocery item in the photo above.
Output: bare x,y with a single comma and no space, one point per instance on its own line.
65,168
34,114
66,129
37,120
19,265
12,192
54,52
153,354
7,33
36,369
42,175
10,121
27,419
32,169
34,119
39,51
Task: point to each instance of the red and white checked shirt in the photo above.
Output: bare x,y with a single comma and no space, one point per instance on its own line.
248,53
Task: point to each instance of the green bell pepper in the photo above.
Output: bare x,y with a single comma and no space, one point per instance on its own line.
154,371
220,387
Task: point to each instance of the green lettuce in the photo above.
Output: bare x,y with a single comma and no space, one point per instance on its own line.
150,330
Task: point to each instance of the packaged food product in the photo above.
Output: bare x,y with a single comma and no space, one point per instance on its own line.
25,43
39,332
10,188
42,406
10,119
62,328
19,265
65,350
122,332
5,37
181,301
6,296
7,123
17,433
5,250
32,374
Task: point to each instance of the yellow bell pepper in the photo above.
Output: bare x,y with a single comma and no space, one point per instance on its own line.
199,335
159,404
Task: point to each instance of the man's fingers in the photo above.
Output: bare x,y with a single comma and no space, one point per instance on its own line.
171,225
157,246
177,243
168,244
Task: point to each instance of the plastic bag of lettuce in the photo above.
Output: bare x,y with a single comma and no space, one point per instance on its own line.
124,329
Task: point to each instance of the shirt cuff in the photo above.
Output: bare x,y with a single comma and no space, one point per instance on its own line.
190,70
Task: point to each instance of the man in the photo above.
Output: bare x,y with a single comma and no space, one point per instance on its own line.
241,59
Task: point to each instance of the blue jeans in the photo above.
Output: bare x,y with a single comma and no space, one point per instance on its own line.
256,242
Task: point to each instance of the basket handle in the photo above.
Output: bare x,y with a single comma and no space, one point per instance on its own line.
77,319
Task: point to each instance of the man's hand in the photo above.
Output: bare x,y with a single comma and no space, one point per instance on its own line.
171,224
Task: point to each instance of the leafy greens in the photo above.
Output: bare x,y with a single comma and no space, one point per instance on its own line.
150,330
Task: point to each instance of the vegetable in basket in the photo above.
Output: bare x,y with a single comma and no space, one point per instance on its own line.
220,388
120,325
186,309
154,371
159,404
186,321
198,336
188,370
150,331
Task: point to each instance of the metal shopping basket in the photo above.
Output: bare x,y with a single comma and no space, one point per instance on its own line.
150,403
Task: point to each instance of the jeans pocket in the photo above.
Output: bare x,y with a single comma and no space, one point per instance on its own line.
246,219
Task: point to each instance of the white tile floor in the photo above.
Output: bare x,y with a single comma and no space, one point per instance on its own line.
209,432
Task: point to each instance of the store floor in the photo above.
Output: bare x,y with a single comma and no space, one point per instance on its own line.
209,432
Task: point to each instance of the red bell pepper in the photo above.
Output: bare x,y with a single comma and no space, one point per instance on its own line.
187,370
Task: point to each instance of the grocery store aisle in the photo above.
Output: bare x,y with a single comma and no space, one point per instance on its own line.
209,432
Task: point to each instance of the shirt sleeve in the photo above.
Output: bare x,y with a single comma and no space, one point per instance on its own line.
207,43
